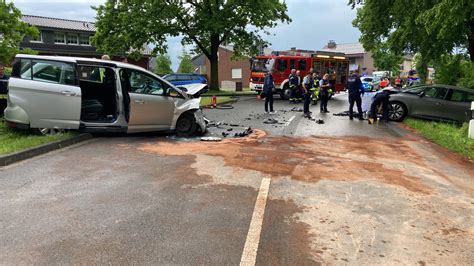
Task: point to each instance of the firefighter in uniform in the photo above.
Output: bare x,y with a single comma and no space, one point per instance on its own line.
315,88
354,85
293,81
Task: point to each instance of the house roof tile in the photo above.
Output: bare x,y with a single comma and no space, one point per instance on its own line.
59,23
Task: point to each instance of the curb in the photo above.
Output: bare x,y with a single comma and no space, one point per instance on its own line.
39,150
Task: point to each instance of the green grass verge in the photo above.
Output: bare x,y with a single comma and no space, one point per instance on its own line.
447,135
206,101
16,140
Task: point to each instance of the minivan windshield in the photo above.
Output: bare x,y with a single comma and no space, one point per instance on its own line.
262,64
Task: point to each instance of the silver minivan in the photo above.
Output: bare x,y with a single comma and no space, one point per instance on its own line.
51,93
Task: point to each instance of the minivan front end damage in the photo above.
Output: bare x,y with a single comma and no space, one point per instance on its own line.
201,122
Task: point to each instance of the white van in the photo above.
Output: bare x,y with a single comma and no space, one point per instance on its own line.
51,93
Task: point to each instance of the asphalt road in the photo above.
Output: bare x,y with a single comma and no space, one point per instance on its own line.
342,192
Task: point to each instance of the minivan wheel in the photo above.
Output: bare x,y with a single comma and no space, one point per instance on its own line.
186,125
285,92
397,111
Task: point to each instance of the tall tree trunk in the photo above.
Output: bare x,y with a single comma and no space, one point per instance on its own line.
214,62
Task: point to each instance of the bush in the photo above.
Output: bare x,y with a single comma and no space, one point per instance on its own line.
467,80
8,71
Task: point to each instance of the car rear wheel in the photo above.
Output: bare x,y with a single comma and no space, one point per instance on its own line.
285,92
186,125
397,111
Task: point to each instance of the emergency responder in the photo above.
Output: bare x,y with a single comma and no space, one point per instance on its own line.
3,89
354,85
293,81
308,83
324,93
315,89
268,87
380,98
299,89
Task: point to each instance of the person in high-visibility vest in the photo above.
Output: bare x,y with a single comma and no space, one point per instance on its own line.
315,88
3,89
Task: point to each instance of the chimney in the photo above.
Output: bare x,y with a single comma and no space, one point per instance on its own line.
332,44
293,49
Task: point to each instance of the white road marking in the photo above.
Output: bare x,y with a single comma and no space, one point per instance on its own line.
289,121
249,255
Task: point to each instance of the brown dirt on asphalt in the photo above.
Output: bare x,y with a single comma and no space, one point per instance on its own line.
286,240
309,159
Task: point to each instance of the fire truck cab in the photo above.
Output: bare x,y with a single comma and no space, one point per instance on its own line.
280,65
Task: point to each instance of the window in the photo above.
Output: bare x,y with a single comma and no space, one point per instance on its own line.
302,64
458,96
292,64
462,96
37,38
72,39
59,38
46,71
85,40
282,64
236,73
438,93
145,84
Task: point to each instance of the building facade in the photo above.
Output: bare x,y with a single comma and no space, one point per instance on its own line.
230,72
361,59
64,37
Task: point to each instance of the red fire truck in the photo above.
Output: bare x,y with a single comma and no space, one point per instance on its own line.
334,64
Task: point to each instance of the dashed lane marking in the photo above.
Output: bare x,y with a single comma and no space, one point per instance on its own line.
249,255
289,121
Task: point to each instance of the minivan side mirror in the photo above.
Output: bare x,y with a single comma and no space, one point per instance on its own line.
421,94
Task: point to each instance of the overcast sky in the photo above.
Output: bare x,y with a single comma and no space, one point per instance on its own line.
314,22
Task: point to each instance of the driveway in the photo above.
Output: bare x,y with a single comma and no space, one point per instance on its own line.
294,192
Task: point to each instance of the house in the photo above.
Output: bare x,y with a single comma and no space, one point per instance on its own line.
231,73
358,58
66,37
361,59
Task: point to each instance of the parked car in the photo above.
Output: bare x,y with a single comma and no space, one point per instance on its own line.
370,83
438,102
185,79
51,92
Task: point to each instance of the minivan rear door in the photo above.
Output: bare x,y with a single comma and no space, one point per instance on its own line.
49,93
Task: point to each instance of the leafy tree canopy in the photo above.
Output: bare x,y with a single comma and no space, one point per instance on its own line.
429,27
12,32
124,26
163,64
384,59
185,65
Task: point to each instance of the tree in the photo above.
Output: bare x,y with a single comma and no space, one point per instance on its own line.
123,25
163,64
186,64
12,32
384,59
417,26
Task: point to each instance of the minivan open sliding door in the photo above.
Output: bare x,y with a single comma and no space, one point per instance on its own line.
51,94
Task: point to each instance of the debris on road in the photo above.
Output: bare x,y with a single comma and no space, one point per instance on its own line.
346,113
244,133
296,109
215,139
